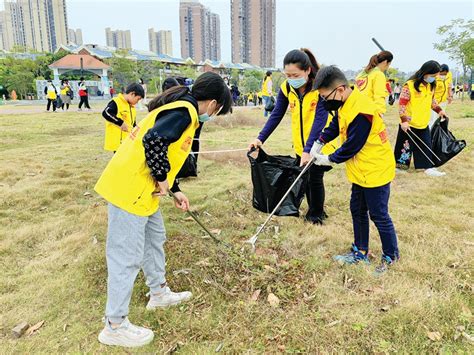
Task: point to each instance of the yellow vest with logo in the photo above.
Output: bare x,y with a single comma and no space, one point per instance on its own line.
265,86
126,182
302,118
113,133
442,88
419,106
374,164
374,86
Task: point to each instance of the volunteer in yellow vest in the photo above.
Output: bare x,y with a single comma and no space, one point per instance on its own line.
51,95
443,91
415,105
66,94
141,171
370,165
372,82
121,116
267,91
308,118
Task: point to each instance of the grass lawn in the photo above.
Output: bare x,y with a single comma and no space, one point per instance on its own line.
53,233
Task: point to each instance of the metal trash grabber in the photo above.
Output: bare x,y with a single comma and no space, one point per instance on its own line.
421,150
430,150
254,238
193,216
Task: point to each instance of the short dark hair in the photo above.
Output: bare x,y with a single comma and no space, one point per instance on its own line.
135,88
328,77
268,73
444,67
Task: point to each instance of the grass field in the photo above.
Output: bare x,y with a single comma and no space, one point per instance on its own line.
52,251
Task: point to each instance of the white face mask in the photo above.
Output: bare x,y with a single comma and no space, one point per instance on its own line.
442,77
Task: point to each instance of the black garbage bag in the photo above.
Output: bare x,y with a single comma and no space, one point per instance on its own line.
189,168
443,142
272,176
270,104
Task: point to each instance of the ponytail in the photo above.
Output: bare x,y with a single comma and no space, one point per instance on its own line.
314,64
376,59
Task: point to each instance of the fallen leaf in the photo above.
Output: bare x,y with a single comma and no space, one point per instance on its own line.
182,271
189,219
385,308
273,300
219,347
94,240
255,295
65,327
216,231
43,208
204,262
34,328
468,337
30,174
332,324
281,347
87,193
434,336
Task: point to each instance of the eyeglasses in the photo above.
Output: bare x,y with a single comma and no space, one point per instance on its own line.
325,98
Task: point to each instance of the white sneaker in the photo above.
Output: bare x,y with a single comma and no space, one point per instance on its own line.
127,335
168,298
434,172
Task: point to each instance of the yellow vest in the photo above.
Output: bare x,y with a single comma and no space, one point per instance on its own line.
374,164
52,94
374,86
302,118
113,133
126,182
64,91
419,106
265,86
442,88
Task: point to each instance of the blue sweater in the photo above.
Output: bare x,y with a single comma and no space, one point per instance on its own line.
281,105
357,134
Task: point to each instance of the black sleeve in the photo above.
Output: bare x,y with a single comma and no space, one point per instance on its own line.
110,113
169,127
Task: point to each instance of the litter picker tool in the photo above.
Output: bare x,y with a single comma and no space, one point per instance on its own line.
411,134
254,238
193,216
378,44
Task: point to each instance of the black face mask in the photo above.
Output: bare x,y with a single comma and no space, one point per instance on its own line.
332,105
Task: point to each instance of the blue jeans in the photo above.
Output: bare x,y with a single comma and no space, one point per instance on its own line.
265,100
374,202
133,243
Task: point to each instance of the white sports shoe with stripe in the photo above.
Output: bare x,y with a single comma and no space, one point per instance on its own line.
167,298
126,335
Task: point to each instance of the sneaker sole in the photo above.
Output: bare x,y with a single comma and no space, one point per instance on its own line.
115,341
151,308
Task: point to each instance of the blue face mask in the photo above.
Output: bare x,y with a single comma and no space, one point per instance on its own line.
205,117
297,83
429,79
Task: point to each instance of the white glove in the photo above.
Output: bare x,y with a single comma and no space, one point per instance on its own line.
322,159
316,149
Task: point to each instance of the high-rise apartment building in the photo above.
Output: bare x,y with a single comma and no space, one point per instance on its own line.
75,36
160,42
118,38
253,32
40,25
199,31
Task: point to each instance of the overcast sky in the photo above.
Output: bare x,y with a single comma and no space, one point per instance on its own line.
338,32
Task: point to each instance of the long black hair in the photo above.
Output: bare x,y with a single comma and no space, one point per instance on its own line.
208,86
376,59
304,59
430,67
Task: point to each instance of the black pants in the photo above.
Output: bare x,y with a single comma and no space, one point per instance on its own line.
51,102
84,100
315,194
67,106
405,148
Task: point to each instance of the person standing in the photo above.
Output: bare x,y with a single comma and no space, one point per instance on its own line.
415,105
51,95
308,118
133,183
267,91
370,167
83,95
121,116
66,94
372,82
443,91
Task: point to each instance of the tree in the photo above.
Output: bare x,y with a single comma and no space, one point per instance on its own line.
18,75
124,70
457,41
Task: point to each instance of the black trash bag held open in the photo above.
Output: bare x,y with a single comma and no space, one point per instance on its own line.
272,176
189,168
443,143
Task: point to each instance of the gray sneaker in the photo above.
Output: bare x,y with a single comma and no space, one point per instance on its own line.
127,335
168,298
